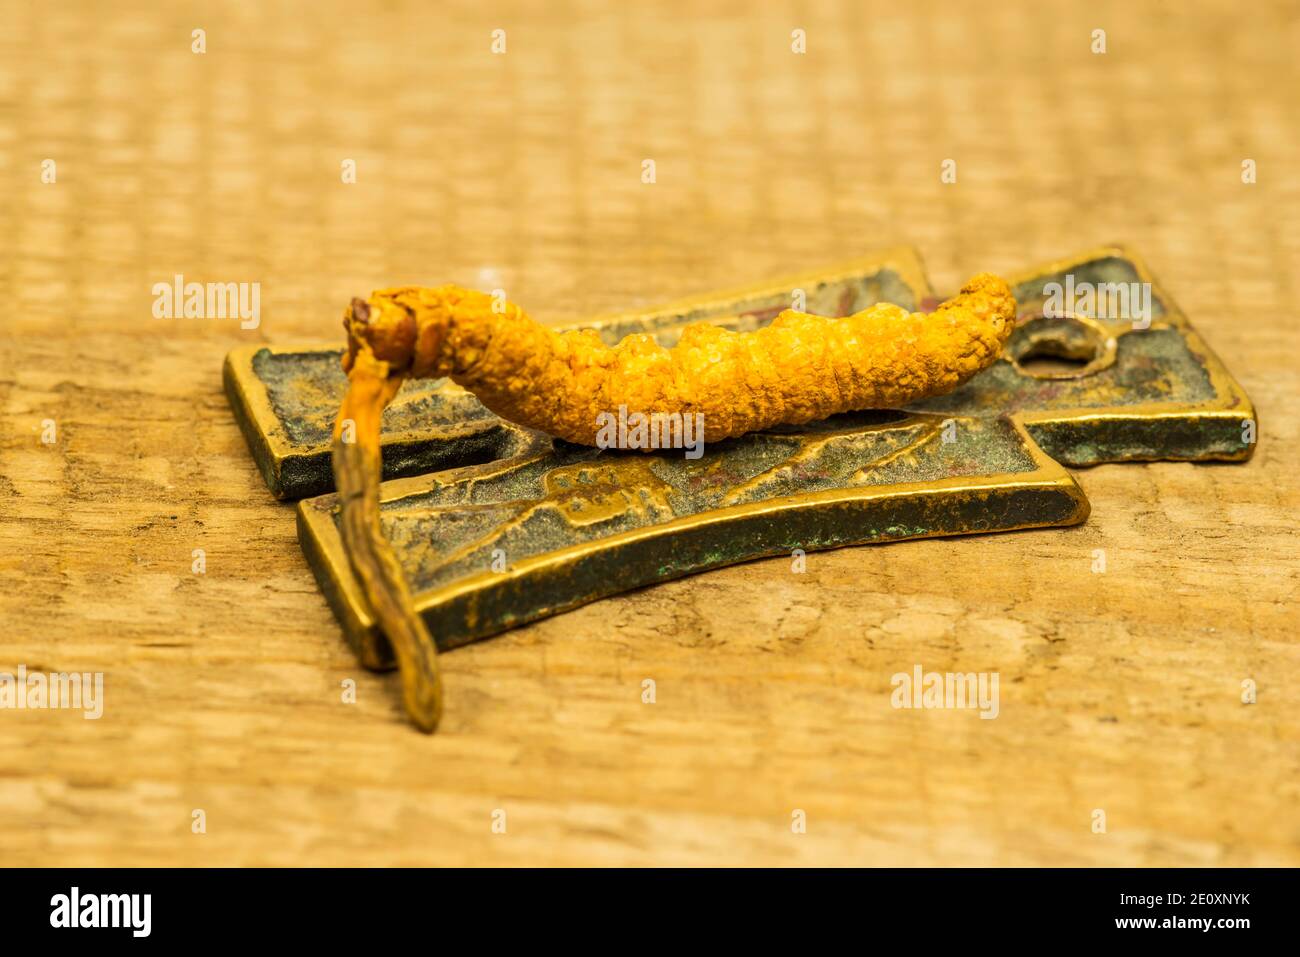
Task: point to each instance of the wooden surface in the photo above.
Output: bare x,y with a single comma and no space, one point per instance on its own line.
1120,691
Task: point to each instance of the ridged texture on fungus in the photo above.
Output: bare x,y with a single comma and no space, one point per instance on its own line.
798,369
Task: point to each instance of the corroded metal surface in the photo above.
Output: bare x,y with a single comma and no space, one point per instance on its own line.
492,546
1146,390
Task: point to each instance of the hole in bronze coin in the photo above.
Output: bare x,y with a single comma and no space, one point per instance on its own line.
1060,347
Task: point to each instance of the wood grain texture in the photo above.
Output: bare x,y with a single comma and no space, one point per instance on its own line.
1120,691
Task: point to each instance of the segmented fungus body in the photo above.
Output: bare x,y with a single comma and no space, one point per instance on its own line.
798,369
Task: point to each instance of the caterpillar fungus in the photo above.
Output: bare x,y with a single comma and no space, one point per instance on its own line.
798,369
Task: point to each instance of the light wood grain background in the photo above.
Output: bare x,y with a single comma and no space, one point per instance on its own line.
1120,691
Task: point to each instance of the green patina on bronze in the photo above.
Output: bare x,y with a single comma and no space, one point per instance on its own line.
488,547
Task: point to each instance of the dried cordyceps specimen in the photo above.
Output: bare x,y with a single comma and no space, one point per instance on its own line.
799,369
